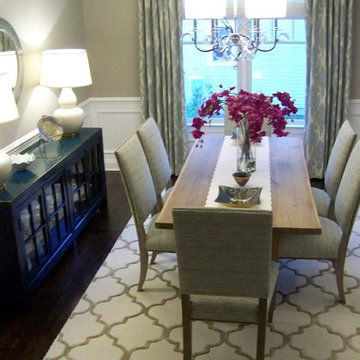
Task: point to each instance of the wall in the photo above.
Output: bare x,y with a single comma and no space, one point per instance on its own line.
112,36
111,31
40,25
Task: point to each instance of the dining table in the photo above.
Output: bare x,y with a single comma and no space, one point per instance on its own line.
292,204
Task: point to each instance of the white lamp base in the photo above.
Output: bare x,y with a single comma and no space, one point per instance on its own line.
5,169
70,117
71,120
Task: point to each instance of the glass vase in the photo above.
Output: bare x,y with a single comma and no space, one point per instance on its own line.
245,154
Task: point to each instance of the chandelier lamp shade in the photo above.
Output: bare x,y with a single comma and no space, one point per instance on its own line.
8,112
66,69
205,9
235,44
265,9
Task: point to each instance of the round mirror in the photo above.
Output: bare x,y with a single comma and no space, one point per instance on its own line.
11,56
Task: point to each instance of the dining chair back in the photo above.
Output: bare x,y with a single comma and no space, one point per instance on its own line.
348,194
157,158
324,198
225,268
140,191
333,242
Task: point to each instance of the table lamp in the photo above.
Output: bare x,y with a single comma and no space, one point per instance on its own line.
66,68
8,112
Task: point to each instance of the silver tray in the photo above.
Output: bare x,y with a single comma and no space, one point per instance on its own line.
240,197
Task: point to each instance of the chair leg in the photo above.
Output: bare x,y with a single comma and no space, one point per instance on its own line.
153,257
144,258
339,272
185,305
261,331
272,307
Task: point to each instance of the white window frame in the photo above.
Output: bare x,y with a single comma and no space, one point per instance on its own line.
295,10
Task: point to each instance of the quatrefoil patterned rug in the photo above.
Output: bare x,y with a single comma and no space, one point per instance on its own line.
113,321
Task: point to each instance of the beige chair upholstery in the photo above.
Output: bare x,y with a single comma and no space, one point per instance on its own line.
324,199
142,199
225,268
333,241
157,158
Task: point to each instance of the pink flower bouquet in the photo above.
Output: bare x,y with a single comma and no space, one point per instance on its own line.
247,107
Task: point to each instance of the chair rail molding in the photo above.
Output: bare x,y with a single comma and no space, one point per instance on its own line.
119,118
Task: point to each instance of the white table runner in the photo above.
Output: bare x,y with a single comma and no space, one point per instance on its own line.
226,166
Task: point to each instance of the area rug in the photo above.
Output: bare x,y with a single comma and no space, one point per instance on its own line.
113,321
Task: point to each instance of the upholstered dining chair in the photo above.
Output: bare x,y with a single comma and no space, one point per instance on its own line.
141,195
157,158
324,198
225,268
333,241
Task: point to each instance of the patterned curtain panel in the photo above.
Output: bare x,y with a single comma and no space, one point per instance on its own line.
329,37
161,78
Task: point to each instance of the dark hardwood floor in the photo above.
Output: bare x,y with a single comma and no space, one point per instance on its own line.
28,332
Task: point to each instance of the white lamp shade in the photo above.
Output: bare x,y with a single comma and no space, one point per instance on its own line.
262,9
8,108
205,9
64,68
9,65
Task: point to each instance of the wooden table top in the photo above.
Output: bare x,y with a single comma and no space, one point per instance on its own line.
293,206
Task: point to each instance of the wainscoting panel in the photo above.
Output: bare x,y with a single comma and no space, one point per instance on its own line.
119,118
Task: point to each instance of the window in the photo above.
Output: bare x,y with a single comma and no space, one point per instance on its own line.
282,69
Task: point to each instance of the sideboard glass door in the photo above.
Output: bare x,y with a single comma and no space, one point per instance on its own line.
57,212
78,183
33,228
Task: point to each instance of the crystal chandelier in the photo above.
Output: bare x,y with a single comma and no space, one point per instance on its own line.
248,38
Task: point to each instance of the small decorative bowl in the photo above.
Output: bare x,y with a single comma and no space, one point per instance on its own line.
242,177
21,161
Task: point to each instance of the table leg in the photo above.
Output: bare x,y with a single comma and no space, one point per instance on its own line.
275,245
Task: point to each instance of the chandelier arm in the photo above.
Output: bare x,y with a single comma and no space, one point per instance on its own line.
193,39
227,25
275,41
272,48
236,58
186,34
202,50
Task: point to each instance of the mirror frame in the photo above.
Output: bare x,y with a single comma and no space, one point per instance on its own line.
6,27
